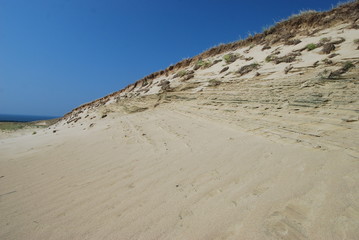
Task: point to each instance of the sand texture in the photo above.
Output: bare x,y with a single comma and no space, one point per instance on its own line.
252,149
168,175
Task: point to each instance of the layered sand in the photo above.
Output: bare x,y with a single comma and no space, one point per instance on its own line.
163,174
266,155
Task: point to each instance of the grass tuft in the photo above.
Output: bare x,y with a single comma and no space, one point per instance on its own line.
202,64
229,58
311,46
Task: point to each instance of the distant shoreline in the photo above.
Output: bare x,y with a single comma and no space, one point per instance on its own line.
24,118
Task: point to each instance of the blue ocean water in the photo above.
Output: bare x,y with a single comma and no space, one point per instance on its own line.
23,118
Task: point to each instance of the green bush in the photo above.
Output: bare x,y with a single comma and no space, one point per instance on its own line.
311,46
229,58
202,64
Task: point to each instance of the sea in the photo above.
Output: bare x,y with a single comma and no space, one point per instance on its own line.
23,118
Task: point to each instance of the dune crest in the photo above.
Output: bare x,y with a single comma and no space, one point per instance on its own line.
257,139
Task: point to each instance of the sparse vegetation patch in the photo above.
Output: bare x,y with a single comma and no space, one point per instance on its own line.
224,69
202,64
247,68
292,42
328,48
311,46
180,73
270,58
325,40
230,58
213,83
346,67
12,126
291,57
265,47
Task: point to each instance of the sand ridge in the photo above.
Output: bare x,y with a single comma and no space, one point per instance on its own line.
266,149
165,175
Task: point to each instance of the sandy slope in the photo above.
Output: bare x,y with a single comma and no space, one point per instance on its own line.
163,174
269,154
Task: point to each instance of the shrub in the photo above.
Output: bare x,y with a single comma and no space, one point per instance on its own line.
247,68
202,64
291,57
180,74
348,65
229,58
270,58
356,41
311,46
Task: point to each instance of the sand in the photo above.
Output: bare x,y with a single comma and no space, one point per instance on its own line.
272,155
163,174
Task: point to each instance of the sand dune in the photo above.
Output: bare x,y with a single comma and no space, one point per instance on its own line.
264,147
162,174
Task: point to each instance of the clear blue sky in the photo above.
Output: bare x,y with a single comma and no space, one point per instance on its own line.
58,54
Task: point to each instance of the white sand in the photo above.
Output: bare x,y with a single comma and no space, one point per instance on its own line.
269,157
161,174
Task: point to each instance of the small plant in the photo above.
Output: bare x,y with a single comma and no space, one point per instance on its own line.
254,65
213,83
311,46
348,65
270,58
356,41
202,64
324,74
247,68
34,133
229,58
324,40
180,74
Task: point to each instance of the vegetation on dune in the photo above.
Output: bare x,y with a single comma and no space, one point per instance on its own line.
311,46
348,65
306,23
213,83
12,126
230,58
247,68
180,73
270,58
202,64
326,74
